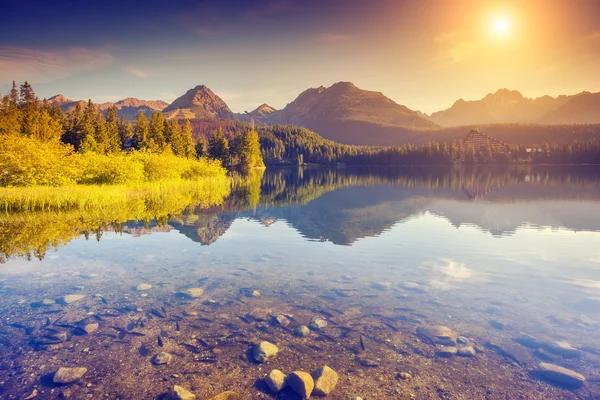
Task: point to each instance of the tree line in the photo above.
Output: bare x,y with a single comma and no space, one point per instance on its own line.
87,129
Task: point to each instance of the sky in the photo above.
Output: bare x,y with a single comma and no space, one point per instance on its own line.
424,54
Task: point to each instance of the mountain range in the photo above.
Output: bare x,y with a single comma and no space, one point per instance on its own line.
348,114
510,106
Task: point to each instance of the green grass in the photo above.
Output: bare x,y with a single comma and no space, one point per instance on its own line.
84,197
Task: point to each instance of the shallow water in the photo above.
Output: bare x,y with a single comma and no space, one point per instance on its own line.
489,253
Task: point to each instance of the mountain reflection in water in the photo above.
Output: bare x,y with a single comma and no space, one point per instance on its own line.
344,205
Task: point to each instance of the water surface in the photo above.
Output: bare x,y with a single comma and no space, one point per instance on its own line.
489,253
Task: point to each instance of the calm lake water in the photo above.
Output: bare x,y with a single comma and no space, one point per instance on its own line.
380,255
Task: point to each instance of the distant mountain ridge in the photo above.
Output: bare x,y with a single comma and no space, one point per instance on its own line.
128,107
510,106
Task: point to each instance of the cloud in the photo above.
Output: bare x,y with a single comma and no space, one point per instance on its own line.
43,66
133,70
328,37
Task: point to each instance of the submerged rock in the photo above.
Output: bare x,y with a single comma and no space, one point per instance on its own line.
72,298
565,349
512,351
438,334
143,286
280,320
301,382
228,395
86,328
66,375
467,351
162,358
302,331
494,323
259,314
191,293
561,375
382,285
529,341
462,340
412,287
317,323
405,376
179,393
275,380
446,351
264,351
325,380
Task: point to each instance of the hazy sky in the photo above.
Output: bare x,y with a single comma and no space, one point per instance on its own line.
424,54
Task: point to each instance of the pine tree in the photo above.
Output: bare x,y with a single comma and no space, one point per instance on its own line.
249,151
199,148
190,150
218,147
173,131
113,143
156,136
141,132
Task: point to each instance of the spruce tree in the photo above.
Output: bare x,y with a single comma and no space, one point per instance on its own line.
141,132
188,140
218,147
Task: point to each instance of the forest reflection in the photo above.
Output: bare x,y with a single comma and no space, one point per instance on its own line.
364,202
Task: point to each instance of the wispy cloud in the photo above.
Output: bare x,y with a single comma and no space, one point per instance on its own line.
133,70
329,37
43,66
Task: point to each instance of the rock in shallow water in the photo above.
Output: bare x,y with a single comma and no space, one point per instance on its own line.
275,380
86,328
325,380
438,334
302,331
228,395
72,298
264,351
317,323
565,349
446,351
301,382
191,293
412,287
561,375
143,286
467,351
66,375
179,393
162,358
382,285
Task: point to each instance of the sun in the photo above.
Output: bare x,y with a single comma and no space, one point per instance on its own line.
501,25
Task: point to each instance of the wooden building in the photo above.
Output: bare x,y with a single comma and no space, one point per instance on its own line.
481,141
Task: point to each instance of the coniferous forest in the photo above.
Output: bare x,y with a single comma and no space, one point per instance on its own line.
41,145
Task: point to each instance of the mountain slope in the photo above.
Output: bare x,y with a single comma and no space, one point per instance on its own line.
583,108
348,114
504,106
199,102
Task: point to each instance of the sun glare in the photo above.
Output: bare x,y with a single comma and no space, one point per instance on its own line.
501,25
